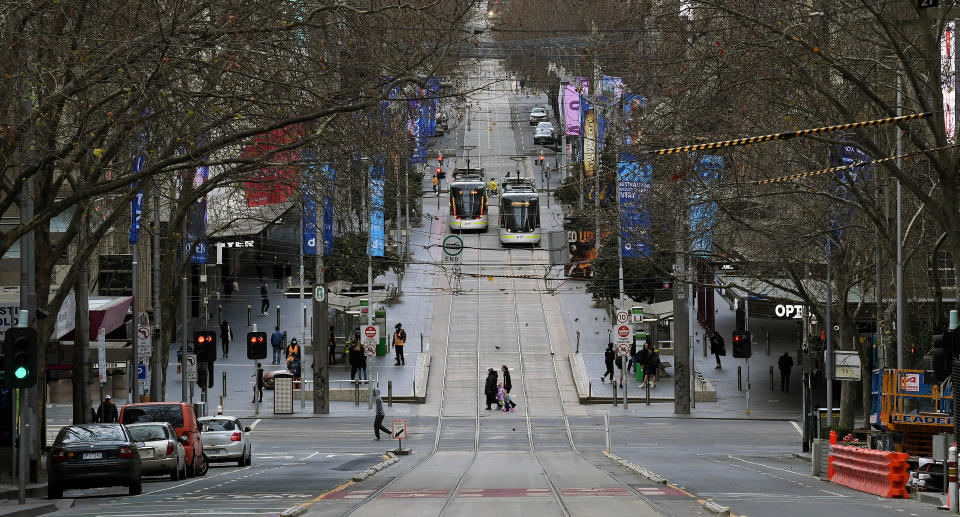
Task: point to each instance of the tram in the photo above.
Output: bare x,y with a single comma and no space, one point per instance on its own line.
468,200
519,213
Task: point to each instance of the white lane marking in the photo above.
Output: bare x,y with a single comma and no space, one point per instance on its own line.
254,424
797,427
832,493
768,466
201,478
310,456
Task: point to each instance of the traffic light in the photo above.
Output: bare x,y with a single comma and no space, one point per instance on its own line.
205,375
20,357
439,172
741,344
440,159
541,159
256,345
945,348
205,345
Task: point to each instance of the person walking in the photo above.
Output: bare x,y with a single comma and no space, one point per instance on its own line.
264,299
651,367
642,357
226,336
107,412
332,343
276,341
785,363
608,356
293,358
399,339
258,383
378,420
435,183
717,347
278,274
632,363
508,384
490,388
227,287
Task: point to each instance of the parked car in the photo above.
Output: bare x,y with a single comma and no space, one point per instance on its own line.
180,415
544,134
160,450
537,115
226,439
93,455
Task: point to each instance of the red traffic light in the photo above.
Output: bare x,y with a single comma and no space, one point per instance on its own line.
541,158
440,158
439,171
201,339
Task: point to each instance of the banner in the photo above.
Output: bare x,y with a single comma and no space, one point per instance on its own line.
703,211
611,89
948,78
274,182
136,204
570,102
634,179
375,244
309,230
841,212
588,123
197,221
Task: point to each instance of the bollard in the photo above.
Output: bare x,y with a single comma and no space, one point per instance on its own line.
614,384
249,315
369,394
590,389
421,342
578,341
224,386
739,381
647,385
278,318
772,386
606,429
952,493
356,393
390,393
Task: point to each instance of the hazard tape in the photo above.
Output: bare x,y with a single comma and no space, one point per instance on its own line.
851,166
787,136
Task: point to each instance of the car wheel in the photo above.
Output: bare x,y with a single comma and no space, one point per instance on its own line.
192,468
136,488
183,469
204,466
54,491
250,457
175,475
243,459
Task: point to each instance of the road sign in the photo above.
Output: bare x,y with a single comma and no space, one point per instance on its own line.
622,317
624,334
102,354
190,372
371,335
369,350
452,248
399,429
623,350
318,293
144,348
141,372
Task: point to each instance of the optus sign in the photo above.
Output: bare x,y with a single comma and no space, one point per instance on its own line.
788,311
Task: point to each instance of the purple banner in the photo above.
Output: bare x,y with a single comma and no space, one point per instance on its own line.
571,104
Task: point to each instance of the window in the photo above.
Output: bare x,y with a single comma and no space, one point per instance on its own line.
219,425
172,414
148,433
94,433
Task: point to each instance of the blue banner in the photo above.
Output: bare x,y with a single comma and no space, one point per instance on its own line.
841,211
309,230
136,205
703,210
634,179
375,245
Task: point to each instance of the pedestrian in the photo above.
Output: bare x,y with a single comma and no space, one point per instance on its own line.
378,421
399,339
508,403
785,363
503,400
358,362
490,388
632,364
717,347
619,362
608,357
107,412
651,367
227,287
264,299
278,273
288,273
276,341
507,384
332,343
258,383
226,336
642,356
293,358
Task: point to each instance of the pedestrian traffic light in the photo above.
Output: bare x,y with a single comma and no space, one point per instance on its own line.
256,345
20,357
945,348
205,375
741,344
205,345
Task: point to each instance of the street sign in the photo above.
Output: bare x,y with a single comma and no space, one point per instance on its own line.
319,293
371,335
399,429
636,315
624,334
452,248
623,350
622,317
190,372
102,354
141,372
144,348
369,350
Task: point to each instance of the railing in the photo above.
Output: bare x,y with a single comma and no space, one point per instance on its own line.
904,391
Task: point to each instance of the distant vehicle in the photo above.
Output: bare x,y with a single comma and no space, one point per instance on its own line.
226,439
544,134
93,455
468,200
441,123
537,115
268,378
519,212
180,415
160,450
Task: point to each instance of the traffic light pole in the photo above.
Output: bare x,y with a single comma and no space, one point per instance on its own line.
22,438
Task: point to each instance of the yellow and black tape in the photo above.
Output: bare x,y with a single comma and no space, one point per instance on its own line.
851,166
788,135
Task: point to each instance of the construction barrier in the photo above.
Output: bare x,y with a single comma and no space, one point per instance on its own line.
881,473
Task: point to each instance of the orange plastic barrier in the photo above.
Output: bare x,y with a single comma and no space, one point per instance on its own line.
875,472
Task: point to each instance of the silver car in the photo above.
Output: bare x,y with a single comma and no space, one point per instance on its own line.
160,450
226,439
537,115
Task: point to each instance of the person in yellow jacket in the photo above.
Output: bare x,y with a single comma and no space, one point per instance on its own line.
293,357
399,339
493,186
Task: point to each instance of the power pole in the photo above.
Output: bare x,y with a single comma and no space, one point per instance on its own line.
321,359
681,345
80,376
156,376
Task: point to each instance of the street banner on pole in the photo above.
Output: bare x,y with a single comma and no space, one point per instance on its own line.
102,354
376,241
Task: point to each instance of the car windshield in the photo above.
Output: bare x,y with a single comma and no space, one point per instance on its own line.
170,413
147,433
219,425
538,111
468,200
93,433
545,125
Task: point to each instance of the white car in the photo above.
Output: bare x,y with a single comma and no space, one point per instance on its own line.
160,450
537,115
226,439
544,134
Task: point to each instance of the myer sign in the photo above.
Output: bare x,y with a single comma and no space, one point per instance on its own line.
788,311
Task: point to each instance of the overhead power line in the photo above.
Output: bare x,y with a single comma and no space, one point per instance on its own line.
786,136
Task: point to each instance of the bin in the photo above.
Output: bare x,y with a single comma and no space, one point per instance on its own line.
283,394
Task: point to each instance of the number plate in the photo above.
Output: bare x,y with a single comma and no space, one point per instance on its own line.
146,452
215,452
93,456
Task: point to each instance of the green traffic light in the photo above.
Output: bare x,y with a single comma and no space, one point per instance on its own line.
20,373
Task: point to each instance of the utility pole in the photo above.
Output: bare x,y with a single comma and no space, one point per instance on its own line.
900,320
321,359
184,396
156,376
681,346
80,376
134,355
829,332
